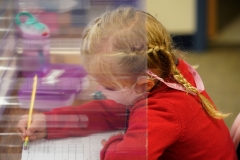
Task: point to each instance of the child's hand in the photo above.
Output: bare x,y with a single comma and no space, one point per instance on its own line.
37,128
103,142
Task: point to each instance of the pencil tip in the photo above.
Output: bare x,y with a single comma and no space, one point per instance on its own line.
25,147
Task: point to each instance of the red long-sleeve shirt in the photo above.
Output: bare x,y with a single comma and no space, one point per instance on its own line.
169,125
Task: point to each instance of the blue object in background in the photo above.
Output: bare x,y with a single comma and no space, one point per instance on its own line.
132,3
80,13
79,17
196,42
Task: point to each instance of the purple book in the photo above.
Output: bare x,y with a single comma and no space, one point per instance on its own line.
57,86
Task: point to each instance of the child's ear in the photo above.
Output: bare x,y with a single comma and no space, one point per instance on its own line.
144,85
150,84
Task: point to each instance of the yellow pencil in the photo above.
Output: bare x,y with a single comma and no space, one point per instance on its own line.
34,88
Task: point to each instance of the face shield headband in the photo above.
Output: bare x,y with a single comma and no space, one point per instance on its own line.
177,86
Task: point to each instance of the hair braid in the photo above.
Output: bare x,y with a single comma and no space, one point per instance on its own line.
159,60
153,54
207,104
156,52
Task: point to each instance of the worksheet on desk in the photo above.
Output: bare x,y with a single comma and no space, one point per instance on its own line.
74,148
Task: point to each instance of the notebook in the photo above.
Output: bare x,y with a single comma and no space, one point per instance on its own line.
74,148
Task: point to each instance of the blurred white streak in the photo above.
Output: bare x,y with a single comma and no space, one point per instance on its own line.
8,68
196,66
10,145
8,134
9,101
63,51
8,58
4,29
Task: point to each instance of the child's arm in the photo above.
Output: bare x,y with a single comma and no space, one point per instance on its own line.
131,145
147,136
92,117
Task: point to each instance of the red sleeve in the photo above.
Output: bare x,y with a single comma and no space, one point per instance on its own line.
148,134
133,144
92,117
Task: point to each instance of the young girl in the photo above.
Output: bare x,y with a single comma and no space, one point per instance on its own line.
169,114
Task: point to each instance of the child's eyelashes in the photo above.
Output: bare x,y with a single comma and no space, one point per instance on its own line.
110,89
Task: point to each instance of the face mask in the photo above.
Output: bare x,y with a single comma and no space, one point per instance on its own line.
196,76
126,96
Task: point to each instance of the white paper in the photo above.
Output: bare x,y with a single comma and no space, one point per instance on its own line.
74,148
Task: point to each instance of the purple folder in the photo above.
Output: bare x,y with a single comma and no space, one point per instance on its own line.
57,86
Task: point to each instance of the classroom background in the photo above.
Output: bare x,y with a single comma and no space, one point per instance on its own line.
206,30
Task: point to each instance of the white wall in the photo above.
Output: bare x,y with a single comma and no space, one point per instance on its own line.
178,16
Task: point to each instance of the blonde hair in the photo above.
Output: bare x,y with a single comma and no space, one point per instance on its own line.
125,43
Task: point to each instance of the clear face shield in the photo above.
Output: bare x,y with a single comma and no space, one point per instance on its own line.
68,106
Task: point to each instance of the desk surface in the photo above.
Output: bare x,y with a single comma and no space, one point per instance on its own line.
10,145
